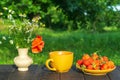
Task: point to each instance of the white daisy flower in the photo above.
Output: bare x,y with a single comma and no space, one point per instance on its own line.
0,42
1,13
5,8
11,41
4,38
10,16
10,11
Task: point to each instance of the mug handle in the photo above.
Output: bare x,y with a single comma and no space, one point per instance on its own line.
47,65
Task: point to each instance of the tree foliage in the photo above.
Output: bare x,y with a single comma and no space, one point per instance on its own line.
69,14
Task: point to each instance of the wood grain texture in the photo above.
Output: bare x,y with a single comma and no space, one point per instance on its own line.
35,72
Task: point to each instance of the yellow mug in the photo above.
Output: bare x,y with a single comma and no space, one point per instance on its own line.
60,61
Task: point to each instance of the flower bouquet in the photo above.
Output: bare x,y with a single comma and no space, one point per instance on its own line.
22,31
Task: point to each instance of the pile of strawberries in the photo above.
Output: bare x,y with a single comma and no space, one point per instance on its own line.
95,62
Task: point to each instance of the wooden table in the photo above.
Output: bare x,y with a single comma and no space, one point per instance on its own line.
10,72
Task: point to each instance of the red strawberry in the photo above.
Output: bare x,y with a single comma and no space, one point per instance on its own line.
86,63
90,67
80,62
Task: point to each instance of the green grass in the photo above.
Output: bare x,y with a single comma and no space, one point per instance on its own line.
82,42
79,42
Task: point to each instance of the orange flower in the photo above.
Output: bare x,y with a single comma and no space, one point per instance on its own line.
37,44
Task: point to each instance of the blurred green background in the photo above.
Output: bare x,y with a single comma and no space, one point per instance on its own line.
80,26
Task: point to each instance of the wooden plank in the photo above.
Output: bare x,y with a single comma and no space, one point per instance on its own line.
73,74
44,74
4,75
5,71
24,75
10,72
8,68
115,75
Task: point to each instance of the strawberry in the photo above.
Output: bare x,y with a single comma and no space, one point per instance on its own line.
95,56
105,58
86,62
80,62
90,67
90,60
104,67
85,56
